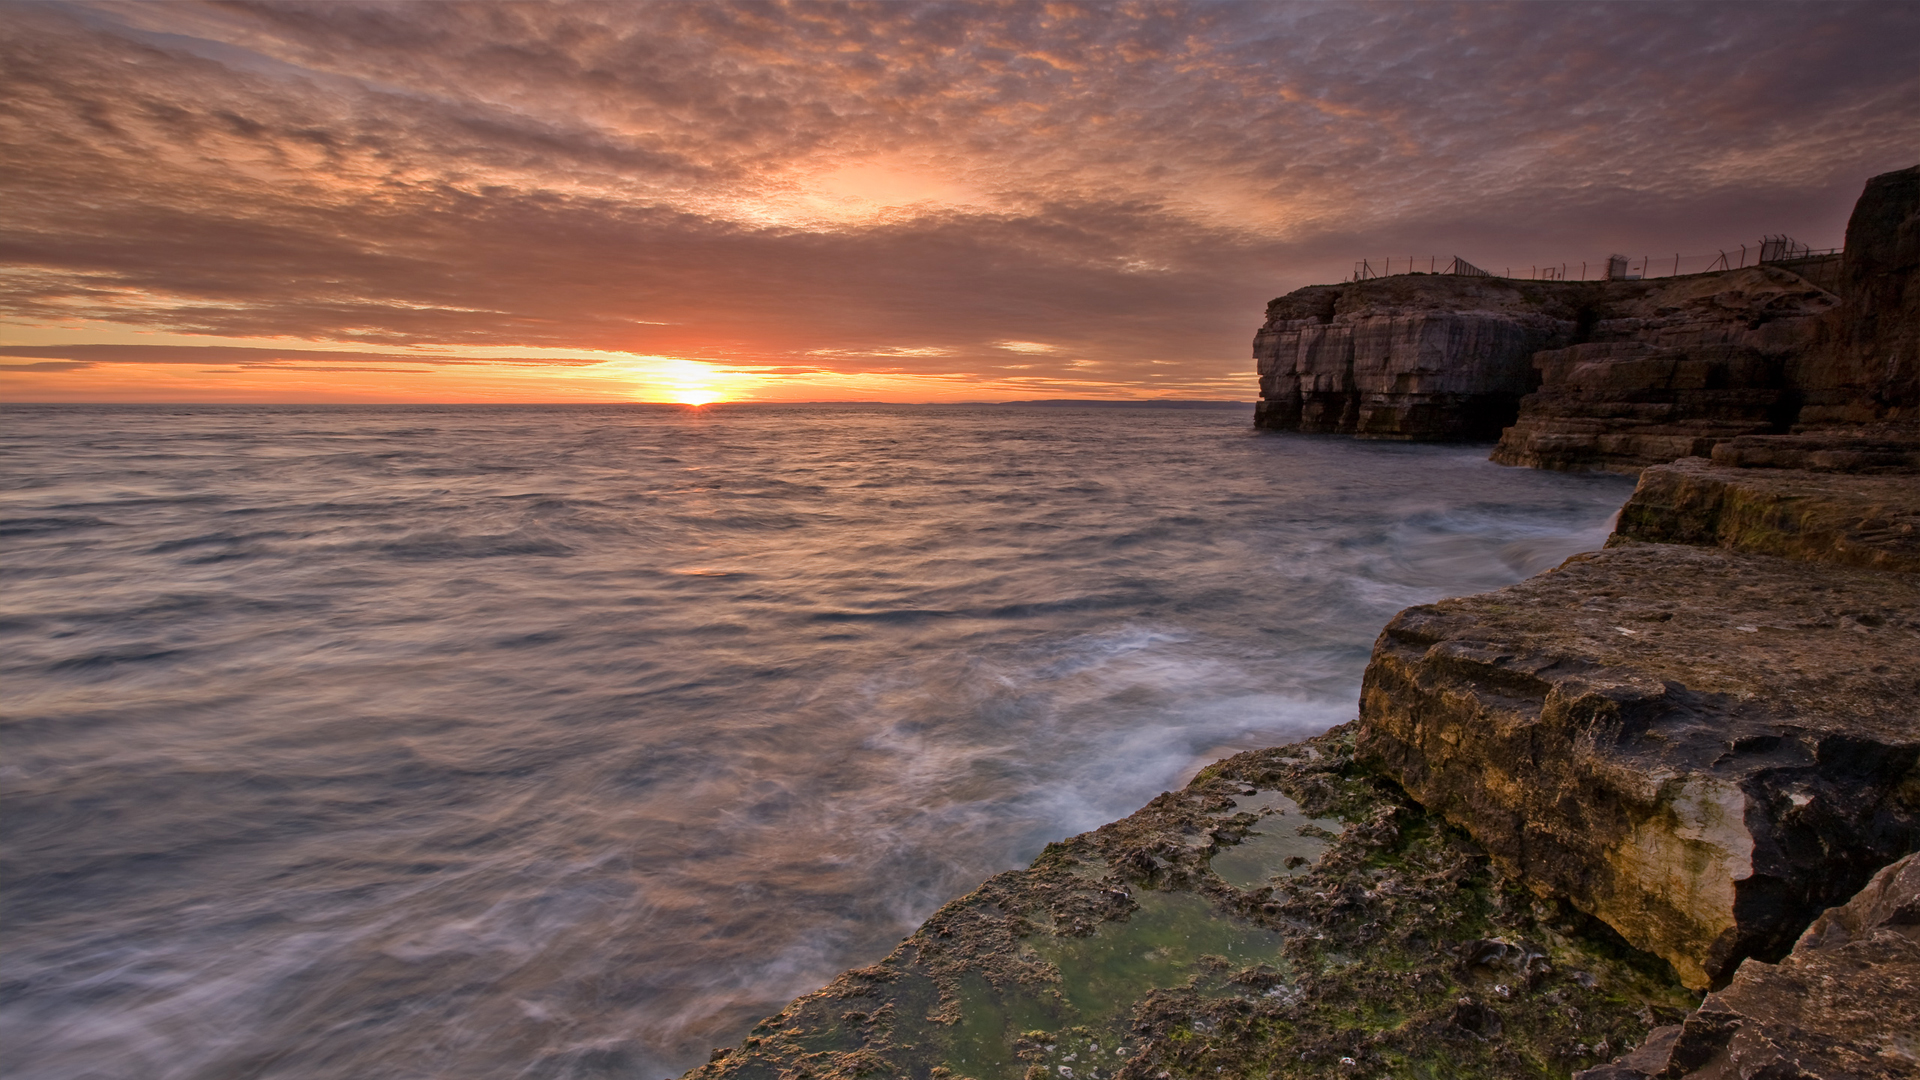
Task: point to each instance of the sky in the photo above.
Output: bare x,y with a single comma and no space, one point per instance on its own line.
499,202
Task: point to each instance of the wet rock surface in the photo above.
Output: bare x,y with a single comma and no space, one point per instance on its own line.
1703,748
1844,1004
1388,948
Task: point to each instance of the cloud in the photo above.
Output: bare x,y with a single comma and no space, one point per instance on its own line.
49,365
822,186
250,355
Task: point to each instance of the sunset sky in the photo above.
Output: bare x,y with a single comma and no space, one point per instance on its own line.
905,202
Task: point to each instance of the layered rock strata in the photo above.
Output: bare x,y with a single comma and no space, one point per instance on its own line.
1670,374
1436,357
1867,366
1702,748
1417,357
1853,515
1805,357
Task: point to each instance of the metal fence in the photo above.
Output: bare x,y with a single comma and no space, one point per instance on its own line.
1770,249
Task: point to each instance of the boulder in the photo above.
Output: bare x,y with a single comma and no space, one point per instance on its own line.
1702,748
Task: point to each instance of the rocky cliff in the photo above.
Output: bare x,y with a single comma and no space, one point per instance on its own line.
1436,357
1867,366
1427,357
1611,375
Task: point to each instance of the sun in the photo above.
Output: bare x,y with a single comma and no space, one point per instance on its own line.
697,396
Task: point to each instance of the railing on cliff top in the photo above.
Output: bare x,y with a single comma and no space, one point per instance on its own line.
1772,249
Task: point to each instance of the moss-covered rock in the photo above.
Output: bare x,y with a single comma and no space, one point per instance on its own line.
1288,914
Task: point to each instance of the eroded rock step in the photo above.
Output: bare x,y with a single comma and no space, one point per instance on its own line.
1857,510
1288,914
1704,748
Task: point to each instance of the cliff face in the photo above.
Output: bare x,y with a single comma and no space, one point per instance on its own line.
1418,357
1612,375
1869,366
1784,353
1671,373
1438,358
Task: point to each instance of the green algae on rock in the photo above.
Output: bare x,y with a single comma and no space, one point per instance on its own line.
1287,914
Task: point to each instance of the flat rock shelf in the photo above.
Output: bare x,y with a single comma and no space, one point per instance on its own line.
1289,913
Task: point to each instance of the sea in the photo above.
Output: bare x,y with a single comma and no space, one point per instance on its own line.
490,742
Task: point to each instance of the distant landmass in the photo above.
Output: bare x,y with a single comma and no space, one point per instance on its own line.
1158,403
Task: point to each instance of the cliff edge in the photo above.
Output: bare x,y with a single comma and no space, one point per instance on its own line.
1611,375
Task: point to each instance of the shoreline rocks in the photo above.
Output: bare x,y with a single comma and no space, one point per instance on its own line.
1704,769
1869,520
1288,914
1568,807
1844,1003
